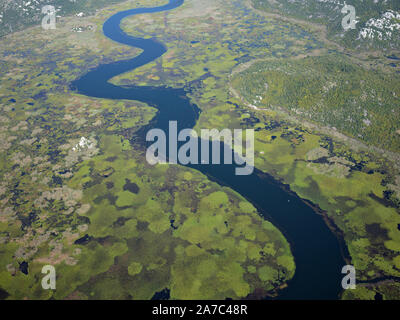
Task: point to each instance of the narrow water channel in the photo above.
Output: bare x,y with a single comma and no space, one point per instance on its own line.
316,249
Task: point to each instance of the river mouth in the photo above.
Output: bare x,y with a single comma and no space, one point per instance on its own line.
315,248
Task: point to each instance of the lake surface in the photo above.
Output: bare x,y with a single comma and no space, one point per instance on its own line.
316,249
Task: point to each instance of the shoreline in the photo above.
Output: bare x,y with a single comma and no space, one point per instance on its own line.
351,142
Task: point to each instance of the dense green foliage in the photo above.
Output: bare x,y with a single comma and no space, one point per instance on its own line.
143,229
383,290
332,91
113,226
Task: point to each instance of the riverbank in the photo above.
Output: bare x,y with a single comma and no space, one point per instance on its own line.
170,105
320,31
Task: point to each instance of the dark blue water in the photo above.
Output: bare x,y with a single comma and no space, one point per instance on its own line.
316,249
393,57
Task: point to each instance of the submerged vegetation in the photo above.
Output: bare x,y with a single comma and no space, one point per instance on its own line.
354,185
115,227
349,186
78,194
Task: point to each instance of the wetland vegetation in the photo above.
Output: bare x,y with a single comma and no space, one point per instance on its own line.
115,227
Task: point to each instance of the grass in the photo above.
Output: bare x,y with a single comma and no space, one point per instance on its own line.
188,234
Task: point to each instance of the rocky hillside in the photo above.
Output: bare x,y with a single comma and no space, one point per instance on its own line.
378,21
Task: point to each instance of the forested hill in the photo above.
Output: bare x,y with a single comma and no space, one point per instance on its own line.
378,20
329,90
16,15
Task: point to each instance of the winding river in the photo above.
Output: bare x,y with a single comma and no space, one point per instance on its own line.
316,249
